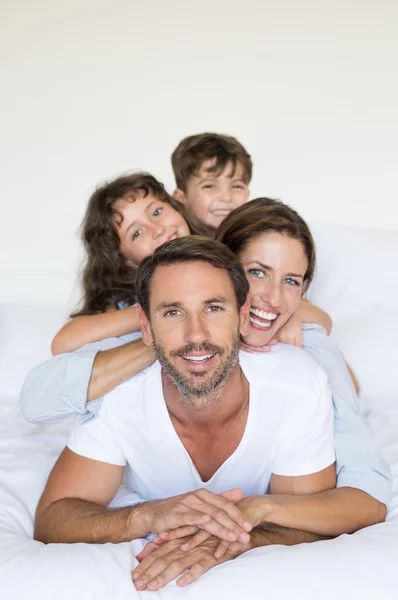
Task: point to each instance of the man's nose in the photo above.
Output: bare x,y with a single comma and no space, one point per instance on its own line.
196,329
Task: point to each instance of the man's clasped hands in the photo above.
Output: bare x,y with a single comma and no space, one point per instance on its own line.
195,532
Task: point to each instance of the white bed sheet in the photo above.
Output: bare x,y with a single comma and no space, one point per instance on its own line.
360,566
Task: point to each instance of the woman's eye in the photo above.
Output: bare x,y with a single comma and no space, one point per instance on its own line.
157,211
291,281
136,234
256,273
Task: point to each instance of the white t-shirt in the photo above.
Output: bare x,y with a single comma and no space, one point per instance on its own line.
289,430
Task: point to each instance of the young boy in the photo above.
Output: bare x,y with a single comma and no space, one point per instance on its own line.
212,174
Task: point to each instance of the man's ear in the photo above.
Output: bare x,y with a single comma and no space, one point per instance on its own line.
180,196
244,318
144,326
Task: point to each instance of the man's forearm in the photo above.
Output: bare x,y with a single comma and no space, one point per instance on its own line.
328,513
72,520
113,367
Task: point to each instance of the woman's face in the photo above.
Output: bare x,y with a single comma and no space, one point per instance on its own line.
275,266
147,223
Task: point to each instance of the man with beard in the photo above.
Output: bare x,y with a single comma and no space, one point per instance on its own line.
203,435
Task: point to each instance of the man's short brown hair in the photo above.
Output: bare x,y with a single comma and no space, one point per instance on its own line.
194,150
193,248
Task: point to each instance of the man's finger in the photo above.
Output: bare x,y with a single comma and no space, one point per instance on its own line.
221,549
197,570
195,541
224,512
173,534
147,550
176,567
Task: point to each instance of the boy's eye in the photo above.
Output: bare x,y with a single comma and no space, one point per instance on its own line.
240,186
136,234
256,273
207,186
158,211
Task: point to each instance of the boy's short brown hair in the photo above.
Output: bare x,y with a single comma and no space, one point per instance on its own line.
194,150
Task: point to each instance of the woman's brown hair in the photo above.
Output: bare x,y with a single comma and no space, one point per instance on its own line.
265,215
107,279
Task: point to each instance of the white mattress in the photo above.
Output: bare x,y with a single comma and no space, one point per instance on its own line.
360,566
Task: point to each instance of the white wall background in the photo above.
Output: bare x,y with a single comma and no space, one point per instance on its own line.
91,88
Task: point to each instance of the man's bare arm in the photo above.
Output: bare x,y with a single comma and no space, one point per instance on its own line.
113,367
73,507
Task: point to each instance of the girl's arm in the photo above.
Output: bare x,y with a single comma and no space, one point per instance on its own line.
309,313
92,328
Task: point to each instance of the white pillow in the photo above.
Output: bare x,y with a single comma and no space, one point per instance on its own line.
356,284
26,333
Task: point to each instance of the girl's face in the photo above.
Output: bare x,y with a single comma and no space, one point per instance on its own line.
147,223
275,266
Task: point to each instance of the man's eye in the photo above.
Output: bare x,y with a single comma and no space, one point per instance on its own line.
256,273
172,313
215,308
136,234
157,211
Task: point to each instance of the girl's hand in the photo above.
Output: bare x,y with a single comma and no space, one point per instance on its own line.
291,333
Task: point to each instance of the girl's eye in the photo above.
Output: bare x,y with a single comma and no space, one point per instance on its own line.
157,211
136,234
291,281
256,272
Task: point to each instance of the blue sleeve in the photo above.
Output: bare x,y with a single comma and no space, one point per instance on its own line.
359,463
57,388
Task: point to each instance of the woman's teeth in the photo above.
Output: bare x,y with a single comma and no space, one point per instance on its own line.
267,319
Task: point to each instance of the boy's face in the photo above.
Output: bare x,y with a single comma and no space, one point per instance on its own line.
210,197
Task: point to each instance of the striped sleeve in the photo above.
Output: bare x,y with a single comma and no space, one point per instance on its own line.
359,463
57,388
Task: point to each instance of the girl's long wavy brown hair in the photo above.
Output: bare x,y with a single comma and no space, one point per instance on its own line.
106,278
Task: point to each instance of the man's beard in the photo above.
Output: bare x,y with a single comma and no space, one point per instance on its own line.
198,386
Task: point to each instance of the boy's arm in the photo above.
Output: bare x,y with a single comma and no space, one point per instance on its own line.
76,382
87,329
